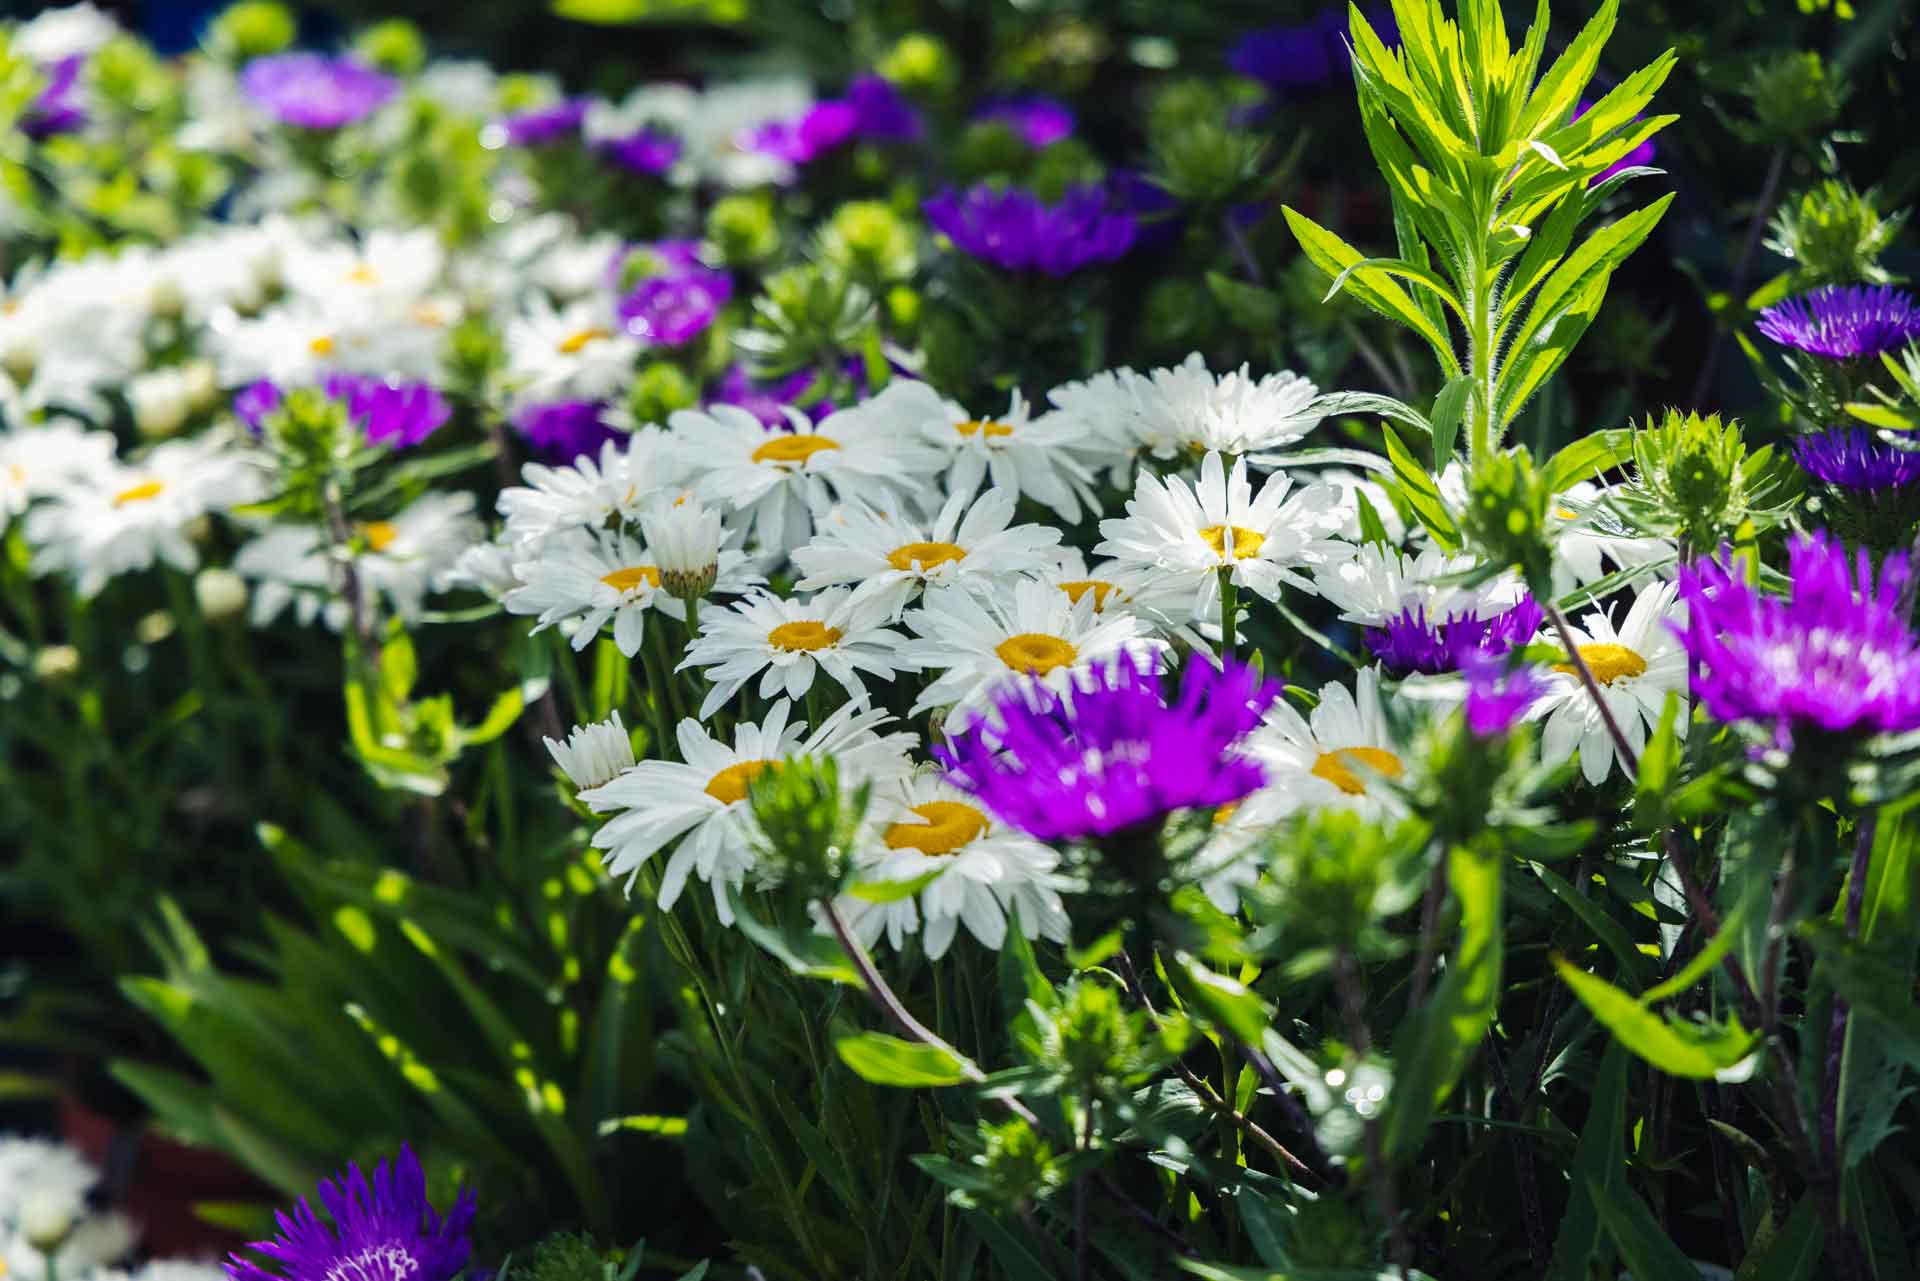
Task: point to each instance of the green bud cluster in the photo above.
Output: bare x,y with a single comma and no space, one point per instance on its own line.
1834,235
806,825
251,29
870,242
1508,516
1793,97
806,315
742,227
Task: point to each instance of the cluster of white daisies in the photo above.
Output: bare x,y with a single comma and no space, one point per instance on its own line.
50,1232
832,561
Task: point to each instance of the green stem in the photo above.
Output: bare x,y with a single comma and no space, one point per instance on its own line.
1480,361
1229,613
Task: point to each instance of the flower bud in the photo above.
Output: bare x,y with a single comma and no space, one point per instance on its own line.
684,538
921,62
251,29
743,228
1834,235
1792,95
46,1217
54,663
394,46
221,594
660,388
1508,505
870,241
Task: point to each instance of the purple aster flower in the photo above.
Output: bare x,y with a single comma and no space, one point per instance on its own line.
654,258
881,113
650,152
1017,231
766,401
58,108
872,110
1640,155
1497,697
544,125
401,414
561,431
1844,323
671,310
1408,642
1856,458
1289,59
1113,753
381,1229
1036,120
315,92
255,401
1837,656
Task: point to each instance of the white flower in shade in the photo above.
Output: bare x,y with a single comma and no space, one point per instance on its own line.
1592,542
577,352
41,1164
891,560
95,1241
126,515
1636,665
779,482
588,493
702,802
593,754
685,537
486,568
1339,755
983,643
788,641
399,559
1033,458
987,872
302,341
1353,486
589,579
1187,409
163,399
1187,533
1228,861
1380,583
39,461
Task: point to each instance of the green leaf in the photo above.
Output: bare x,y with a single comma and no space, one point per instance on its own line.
1600,1158
1587,457
1558,92
1413,273
1658,761
894,891
1644,1247
1249,306
1334,404
800,948
1794,1251
499,718
888,1060
1439,1039
1695,1050
1417,487
1449,407
1370,286
1609,931
1222,1001
1873,985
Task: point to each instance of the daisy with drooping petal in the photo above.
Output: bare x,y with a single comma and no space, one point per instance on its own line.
1844,323
1837,657
1034,458
125,516
1186,409
781,481
1337,755
589,492
1636,665
381,1228
593,754
987,871
786,642
891,560
1187,533
985,643
702,802
588,578
1590,541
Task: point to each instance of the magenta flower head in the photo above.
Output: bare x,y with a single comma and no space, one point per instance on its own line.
649,152
669,311
1857,459
1849,323
401,414
542,126
315,92
1837,657
1113,753
1017,231
561,431
1036,120
1409,642
381,1229
1498,697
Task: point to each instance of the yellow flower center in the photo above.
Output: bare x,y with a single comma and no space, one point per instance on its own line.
1607,662
1566,513
979,426
432,315
140,493
1337,767
625,580
576,342
1246,542
731,784
782,450
1035,653
803,633
362,274
924,556
949,826
1224,814
321,346
1079,587
379,534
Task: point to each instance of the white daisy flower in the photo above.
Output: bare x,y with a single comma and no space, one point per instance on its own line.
1033,458
1338,755
982,643
36,462
588,579
1592,542
1636,665
703,801
1379,583
95,1241
41,1164
892,560
686,538
787,641
987,871
594,754
486,568
387,272
576,352
589,493
1186,533
1153,597
1351,486
1186,409
56,34
781,481
1226,862
126,515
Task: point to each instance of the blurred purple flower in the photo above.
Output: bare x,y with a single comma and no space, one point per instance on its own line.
671,310
651,151
1037,120
1017,231
59,106
544,125
315,92
872,110
1857,458
766,401
1290,59
561,431
1497,697
401,414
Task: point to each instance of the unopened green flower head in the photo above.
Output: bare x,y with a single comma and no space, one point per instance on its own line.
1333,877
743,228
1689,469
1793,95
660,388
1507,516
252,29
1835,235
806,825
921,62
870,240
806,315
1019,1165
394,45
1206,161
